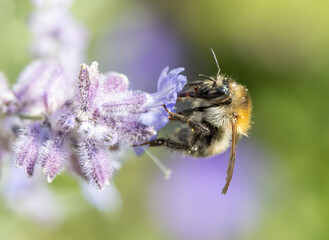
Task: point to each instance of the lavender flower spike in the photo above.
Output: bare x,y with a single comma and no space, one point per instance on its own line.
103,116
86,90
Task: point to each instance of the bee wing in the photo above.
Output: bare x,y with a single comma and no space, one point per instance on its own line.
230,167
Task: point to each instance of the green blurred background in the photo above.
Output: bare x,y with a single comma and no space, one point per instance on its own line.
279,49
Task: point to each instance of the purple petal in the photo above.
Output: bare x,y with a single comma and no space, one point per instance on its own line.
129,130
42,86
53,157
163,78
178,80
95,163
27,147
139,151
168,86
173,78
158,119
86,89
136,132
127,103
57,90
115,82
31,81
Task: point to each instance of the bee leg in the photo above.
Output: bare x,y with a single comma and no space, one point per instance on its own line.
195,83
193,124
189,111
164,142
205,93
183,95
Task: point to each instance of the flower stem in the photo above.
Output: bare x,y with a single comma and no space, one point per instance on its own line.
166,171
30,117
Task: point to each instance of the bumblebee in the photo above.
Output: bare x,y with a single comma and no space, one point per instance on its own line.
219,116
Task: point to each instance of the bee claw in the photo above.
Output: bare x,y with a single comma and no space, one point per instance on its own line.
171,115
164,106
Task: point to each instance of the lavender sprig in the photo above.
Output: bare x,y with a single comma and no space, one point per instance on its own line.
102,117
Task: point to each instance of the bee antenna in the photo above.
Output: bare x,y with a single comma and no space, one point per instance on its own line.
214,55
207,77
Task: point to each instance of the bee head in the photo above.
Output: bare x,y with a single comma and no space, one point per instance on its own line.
218,89
222,85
